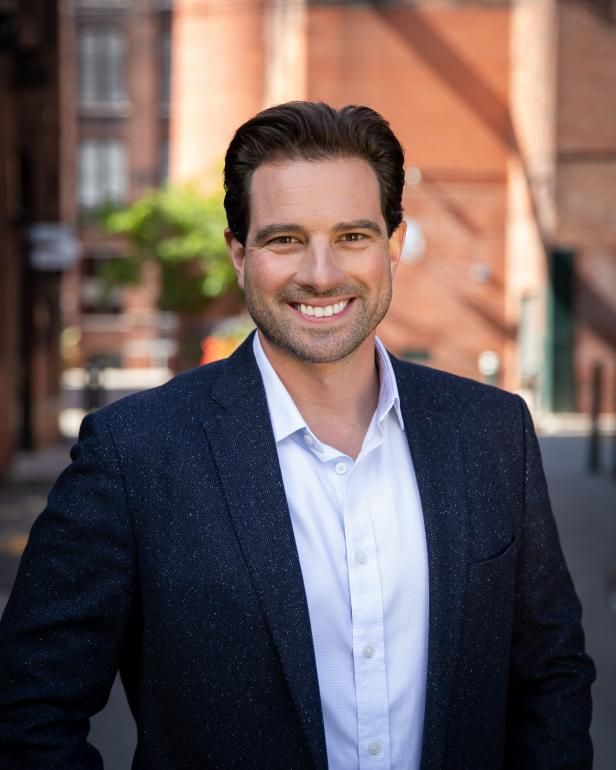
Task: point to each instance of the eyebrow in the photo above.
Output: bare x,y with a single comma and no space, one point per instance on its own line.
270,231
359,224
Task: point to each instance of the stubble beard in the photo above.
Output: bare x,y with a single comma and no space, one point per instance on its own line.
317,344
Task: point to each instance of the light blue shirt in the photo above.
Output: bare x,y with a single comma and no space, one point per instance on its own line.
360,536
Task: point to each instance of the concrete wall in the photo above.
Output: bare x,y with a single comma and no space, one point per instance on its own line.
586,189
531,182
218,79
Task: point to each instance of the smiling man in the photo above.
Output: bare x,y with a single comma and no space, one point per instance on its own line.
317,270
310,555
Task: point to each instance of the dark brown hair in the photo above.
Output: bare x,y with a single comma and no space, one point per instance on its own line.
312,131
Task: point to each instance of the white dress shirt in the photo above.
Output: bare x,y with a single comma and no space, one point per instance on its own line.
360,535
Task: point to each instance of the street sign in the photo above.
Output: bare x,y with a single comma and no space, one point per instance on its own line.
53,247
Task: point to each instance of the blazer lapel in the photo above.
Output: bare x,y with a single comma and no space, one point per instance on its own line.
240,435
435,446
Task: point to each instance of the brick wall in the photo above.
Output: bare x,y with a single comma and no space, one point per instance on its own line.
440,76
450,301
29,193
11,264
507,111
141,124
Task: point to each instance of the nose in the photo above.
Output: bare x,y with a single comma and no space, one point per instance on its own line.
320,268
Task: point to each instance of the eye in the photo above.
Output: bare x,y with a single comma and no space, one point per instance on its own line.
353,237
283,240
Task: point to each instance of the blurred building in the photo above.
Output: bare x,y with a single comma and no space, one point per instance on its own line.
561,224
507,110
116,57
36,246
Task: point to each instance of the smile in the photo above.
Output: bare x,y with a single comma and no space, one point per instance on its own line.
318,311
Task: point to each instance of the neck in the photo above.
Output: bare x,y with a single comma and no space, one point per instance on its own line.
336,399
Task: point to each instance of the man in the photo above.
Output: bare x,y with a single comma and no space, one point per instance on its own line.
310,555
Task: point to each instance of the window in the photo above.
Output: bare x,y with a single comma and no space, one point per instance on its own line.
165,67
102,172
101,67
528,341
103,5
97,296
163,162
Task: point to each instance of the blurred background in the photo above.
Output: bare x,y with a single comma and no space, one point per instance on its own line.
114,119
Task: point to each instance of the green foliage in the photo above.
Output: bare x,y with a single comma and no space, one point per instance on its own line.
182,231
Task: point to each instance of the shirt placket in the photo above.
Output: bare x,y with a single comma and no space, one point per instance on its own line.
367,622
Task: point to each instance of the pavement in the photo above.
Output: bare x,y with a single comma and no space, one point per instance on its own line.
584,506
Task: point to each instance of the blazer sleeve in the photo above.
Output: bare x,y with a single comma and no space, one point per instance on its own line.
62,633
549,695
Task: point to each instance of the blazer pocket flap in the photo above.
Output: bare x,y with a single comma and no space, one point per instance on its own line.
501,559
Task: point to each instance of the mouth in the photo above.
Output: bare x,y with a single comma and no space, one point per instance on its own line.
321,311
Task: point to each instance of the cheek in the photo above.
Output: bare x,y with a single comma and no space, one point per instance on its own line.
268,275
374,268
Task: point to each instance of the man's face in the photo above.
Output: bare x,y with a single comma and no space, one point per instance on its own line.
317,266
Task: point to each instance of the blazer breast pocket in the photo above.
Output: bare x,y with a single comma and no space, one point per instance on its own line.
479,693
489,604
492,578
496,560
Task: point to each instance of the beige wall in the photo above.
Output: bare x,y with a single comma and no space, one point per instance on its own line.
217,82
586,189
531,183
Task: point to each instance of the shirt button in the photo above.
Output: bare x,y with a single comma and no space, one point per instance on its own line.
308,440
340,469
360,557
374,748
369,651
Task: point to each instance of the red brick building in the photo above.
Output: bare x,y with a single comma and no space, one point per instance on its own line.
115,133
561,237
507,114
30,196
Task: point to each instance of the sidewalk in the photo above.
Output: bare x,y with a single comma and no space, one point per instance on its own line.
585,510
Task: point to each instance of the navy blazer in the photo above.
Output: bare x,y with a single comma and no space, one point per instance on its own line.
166,550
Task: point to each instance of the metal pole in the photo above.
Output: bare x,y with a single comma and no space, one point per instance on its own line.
614,427
594,460
94,388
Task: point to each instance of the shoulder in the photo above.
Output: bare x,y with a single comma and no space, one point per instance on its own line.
146,432
468,404
187,391
444,386
191,394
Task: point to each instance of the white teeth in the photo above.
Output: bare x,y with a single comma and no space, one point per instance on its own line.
319,312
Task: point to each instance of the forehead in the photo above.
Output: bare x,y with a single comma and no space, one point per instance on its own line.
298,191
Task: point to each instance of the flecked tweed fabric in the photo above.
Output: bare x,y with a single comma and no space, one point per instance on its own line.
166,550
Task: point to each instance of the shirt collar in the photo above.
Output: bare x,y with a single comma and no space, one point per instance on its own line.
389,398
286,417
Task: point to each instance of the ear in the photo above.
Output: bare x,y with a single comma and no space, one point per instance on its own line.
396,242
236,254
